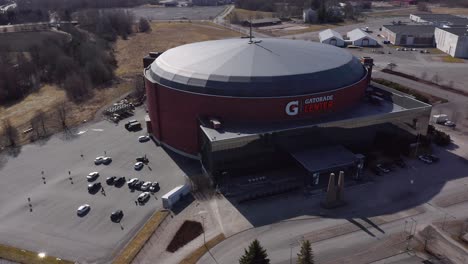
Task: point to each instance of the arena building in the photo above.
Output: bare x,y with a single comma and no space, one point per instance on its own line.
236,104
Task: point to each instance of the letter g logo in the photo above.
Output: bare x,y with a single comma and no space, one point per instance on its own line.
292,108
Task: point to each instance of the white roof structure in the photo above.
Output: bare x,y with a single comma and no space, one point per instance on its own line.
358,34
328,33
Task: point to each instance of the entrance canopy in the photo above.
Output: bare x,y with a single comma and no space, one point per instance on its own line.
324,158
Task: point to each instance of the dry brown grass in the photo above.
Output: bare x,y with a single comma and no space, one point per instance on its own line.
164,35
394,13
26,256
244,14
139,240
451,59
199,252
448,10
310,28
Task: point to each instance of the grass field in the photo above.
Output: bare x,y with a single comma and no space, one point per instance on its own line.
451,59
310,28
448,10
164,35
244,14
26,256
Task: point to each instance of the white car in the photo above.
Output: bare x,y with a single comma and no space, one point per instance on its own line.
92,176
449,123
138,165
106,160
83,209
98,160
425,159
143,138
132,181
143,197
145,186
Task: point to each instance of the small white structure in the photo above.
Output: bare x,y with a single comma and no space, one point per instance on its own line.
358,37
309,16
453,41
172,197
331,37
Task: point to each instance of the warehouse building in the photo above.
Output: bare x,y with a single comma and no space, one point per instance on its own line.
331,37
439,20
358,37
410,35
243,105
453,41
263,22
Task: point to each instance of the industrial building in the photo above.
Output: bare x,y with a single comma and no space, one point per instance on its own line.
331,37
439,20
453,41
410,35
263,22
241,104
358,37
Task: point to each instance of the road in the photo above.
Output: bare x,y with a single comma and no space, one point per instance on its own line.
53,226
410,195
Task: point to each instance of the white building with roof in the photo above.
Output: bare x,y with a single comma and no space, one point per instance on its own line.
453,41
331,37
358,37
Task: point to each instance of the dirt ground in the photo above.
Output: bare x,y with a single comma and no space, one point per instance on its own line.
164,35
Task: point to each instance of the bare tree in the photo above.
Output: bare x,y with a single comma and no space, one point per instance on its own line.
436,78
10,133
144,25
424,75
423,7
428,234
38,124
62,111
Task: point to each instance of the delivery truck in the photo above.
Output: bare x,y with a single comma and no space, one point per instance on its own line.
172,197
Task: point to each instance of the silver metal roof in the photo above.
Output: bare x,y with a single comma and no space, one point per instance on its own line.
265,68
357,34
328,34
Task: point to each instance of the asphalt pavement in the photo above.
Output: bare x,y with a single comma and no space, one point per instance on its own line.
53,225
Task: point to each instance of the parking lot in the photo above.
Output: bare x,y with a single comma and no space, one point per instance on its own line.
53,225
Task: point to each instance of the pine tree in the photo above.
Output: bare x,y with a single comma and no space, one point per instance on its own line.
305,256
255,254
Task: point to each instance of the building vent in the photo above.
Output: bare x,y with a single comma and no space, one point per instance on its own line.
215,123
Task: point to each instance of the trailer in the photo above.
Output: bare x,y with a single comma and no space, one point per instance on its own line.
172,197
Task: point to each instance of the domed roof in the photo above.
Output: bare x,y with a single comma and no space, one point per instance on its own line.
264,68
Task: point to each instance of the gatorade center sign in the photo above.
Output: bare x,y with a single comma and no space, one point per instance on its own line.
309,105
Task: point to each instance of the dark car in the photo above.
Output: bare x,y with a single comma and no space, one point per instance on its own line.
138,184
432,157
400,163
116,216
376,171
119,181
111,180
382,168
94,187
142,159
154,187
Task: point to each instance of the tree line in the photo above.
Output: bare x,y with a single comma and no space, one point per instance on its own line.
256,254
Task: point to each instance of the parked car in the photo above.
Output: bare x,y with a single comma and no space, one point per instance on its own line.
92,176
119,181
138,184
400,162
449,124
98,160
143,138
106,160
143,159
386,42
94,187
111,180
131,183
425,159
142,198
382,168
432,157
376,171
138,165
116,216
154,187
145,186
83,209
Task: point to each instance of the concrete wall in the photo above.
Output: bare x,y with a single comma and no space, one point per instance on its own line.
446,41
390,36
